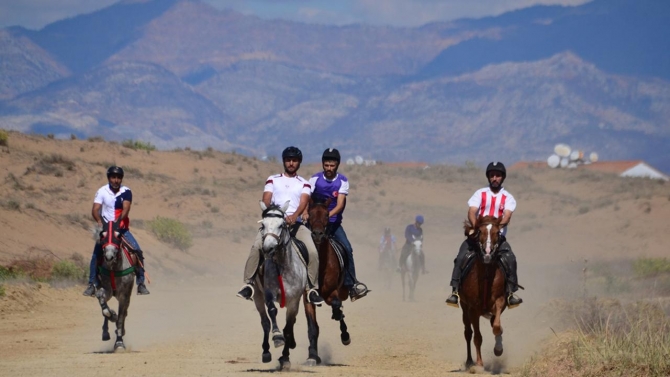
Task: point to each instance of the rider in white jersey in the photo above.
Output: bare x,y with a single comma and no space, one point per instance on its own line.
278,189
494,201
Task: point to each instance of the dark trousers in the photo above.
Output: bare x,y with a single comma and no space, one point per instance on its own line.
506,256
338,233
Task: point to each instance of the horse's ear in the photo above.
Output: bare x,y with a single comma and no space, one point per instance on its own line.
285,206
263,206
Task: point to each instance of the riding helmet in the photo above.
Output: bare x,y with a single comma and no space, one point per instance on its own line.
419,219
496,166
331,154
292,152
115,170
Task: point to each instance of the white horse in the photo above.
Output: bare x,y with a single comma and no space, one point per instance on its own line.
411,269
282,279
117,275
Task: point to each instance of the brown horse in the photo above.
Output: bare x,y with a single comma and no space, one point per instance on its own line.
331,277
482,292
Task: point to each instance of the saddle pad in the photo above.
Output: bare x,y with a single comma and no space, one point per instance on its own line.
302,250
469,262
339,251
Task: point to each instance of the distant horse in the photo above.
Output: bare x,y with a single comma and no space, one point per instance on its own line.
482,290
331,277
411,269
283,279
117,275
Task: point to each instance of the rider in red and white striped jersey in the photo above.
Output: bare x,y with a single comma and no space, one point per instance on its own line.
494,201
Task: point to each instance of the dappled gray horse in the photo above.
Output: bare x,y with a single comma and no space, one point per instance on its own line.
117,275
282,279
411,269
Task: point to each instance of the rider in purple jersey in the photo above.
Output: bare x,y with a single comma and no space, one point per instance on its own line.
331,184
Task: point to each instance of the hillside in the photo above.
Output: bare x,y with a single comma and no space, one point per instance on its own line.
568,223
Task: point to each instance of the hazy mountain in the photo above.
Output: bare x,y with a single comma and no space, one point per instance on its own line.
181,73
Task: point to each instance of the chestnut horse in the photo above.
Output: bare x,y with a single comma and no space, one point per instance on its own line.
482,290
331,276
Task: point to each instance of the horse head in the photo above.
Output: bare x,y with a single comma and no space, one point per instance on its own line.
318,218
484,233
274,229
418,244
110,238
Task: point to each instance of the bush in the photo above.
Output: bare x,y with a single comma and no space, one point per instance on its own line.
4,138
8,273
172,232
66,269
648,267
137,144
2,290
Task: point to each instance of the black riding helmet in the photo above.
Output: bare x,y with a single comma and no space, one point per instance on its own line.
496,166
292,152
114,170
331,154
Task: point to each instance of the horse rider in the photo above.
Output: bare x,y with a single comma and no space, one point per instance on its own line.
387,243
334,185
112,202
413,232
494,201
278,189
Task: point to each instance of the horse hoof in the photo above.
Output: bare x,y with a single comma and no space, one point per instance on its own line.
105,336
310,363
267,357
119,347
278,341
346,339
497,351
284,365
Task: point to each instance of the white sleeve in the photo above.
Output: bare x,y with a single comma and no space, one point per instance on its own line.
344,188
98,197
312,182
510,203
269,185
476,199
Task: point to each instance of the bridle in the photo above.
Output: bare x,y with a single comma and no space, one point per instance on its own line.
281,237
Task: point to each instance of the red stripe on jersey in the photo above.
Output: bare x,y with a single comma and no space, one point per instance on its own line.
502,206
268,181
493,206
482,206
307,185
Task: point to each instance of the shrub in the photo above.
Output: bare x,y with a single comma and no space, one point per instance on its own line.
9,273
139,145
172,232
66,269
4,138
12,205
2,290
648,267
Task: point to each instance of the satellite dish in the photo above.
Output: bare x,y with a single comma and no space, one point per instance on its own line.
553,161
350,161
562,150
359,160
593,157
574,155
564,162
572,165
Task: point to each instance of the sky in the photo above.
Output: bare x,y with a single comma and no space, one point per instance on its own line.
35,14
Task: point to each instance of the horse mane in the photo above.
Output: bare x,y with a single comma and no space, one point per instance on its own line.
272,207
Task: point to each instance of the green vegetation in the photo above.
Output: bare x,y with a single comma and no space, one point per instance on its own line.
4,138
139,145
68,270
172,232
650,267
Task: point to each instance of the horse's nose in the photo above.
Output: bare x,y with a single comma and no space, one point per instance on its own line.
487,258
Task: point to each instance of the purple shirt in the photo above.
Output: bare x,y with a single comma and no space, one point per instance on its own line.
330,189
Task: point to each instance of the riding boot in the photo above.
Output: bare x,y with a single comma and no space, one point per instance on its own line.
313,295
247,291
458,265
509,260
139,274
93,271
453,299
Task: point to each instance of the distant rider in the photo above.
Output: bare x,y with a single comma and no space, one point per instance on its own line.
331,184
494,201
387,247
278,189
413,232
112,203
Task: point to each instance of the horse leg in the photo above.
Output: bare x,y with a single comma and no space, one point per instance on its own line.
265,323
105,330
497,328
277,336
312,333
124,302
478,340
107,312
291,313
336,304
338,315
402,278
468,337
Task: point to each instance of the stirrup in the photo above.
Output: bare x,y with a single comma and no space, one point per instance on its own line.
355,294
309,293
239,294
510,305
458,298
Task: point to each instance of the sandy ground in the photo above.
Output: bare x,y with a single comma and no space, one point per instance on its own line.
193,325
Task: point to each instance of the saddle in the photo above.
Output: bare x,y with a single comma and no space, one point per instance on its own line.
339,251
469,259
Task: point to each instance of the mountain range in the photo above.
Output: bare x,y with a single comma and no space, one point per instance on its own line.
180,73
